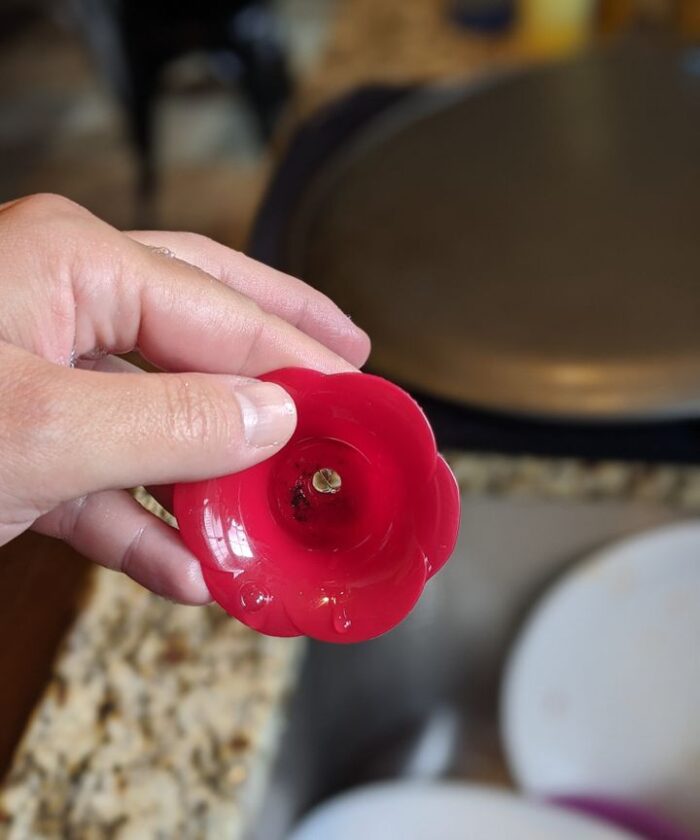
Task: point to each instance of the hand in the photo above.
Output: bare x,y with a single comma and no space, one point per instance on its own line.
78,424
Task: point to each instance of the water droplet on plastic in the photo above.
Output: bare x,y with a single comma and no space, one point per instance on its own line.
252,597
341,622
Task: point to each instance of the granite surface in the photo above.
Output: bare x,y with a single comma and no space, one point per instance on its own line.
675,486
160,721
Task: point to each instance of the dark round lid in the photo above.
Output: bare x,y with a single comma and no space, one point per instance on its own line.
529,245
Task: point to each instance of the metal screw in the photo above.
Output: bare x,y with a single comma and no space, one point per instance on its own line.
326,480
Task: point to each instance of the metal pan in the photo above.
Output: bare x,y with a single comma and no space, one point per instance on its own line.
531,245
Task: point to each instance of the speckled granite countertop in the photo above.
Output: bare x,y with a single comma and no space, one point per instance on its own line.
160,721
675,486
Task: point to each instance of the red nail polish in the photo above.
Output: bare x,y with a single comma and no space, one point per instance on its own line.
335,536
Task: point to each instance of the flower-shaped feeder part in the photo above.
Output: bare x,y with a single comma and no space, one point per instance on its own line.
335,536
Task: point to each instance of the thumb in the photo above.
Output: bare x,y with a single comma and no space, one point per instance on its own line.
90,431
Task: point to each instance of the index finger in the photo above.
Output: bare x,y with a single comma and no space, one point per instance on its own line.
114,294
188,320
276,292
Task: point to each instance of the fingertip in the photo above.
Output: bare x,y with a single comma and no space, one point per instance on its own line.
189,587
177,577
114,530
268,413
360,348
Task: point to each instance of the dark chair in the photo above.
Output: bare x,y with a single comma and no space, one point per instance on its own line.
134,41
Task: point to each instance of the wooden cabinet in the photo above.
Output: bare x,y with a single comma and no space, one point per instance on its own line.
41,585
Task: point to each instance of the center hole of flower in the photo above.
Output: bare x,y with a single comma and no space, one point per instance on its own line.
326,480
321,493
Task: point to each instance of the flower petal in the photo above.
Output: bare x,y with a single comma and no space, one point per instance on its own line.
437,517
246,598
361,608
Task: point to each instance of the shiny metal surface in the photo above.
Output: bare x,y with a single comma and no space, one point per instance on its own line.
529,245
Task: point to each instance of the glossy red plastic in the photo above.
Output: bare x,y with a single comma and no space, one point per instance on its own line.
344,565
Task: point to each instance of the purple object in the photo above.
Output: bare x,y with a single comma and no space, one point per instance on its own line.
625,815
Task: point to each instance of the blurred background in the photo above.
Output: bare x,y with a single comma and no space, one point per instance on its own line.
186,107
505,194
145,114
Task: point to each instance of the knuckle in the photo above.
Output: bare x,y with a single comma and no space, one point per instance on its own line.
51,227
48,205
80,253
195,414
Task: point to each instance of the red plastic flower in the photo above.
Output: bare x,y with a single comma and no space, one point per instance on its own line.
336,535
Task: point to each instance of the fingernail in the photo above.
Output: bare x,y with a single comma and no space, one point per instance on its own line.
269,414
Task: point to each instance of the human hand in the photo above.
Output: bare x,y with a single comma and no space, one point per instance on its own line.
78,424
